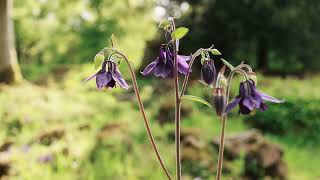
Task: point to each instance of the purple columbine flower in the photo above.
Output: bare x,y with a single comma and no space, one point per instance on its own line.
109,76
250,99
163,65
208,72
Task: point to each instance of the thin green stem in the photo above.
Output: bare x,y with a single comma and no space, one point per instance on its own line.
141,107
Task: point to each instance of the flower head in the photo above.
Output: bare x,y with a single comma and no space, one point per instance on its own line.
250,99
162,66
208,72
109,76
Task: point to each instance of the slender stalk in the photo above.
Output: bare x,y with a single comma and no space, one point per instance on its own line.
149,132
177,109
224,119
177,114
221,147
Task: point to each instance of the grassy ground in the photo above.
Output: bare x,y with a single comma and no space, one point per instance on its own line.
83,144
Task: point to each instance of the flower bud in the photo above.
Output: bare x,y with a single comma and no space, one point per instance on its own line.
219,101
253,77
208,72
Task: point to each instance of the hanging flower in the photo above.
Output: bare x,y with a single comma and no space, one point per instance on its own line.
208,72
109,76
162,66
250,99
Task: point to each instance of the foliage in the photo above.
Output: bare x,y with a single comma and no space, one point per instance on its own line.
68,32
274,35
82,112
296,115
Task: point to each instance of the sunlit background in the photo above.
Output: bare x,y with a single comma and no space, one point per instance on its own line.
55,127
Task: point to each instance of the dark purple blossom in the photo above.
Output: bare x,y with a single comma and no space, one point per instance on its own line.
250,99
109,76
208,72
162,66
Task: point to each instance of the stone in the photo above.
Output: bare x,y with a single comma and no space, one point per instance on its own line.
47,137
263,159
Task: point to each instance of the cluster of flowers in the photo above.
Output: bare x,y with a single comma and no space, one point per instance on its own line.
249,98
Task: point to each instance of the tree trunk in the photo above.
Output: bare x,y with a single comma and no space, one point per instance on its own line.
9,68
262,54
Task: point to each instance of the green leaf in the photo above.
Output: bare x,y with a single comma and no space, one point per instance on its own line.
98,60
179,33
227,64
164,24
197,99
215,52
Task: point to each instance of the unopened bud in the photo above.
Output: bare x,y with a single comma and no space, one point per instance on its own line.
219,101
253,77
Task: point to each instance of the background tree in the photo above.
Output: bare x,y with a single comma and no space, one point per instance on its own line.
278,36
9,68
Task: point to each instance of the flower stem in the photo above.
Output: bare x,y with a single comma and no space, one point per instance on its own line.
177,105
224,119
177,114
149,132
221,147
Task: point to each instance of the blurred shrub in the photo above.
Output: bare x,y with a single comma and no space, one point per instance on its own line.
298,117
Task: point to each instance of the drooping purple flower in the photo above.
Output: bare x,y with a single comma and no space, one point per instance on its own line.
109,76
208,72
250,99
162,66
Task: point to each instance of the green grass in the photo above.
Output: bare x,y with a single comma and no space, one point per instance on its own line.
28,110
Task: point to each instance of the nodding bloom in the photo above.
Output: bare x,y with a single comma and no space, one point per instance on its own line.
162,66
208,72
109,76
250,99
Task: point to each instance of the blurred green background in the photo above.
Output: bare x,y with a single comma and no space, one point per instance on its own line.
55,127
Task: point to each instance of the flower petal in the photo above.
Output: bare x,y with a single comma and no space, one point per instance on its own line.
184,58
263,107
183,66
233,103
163,69
111,84
252,102
102,79
244,109
89,78
150,67
117,76
266,97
